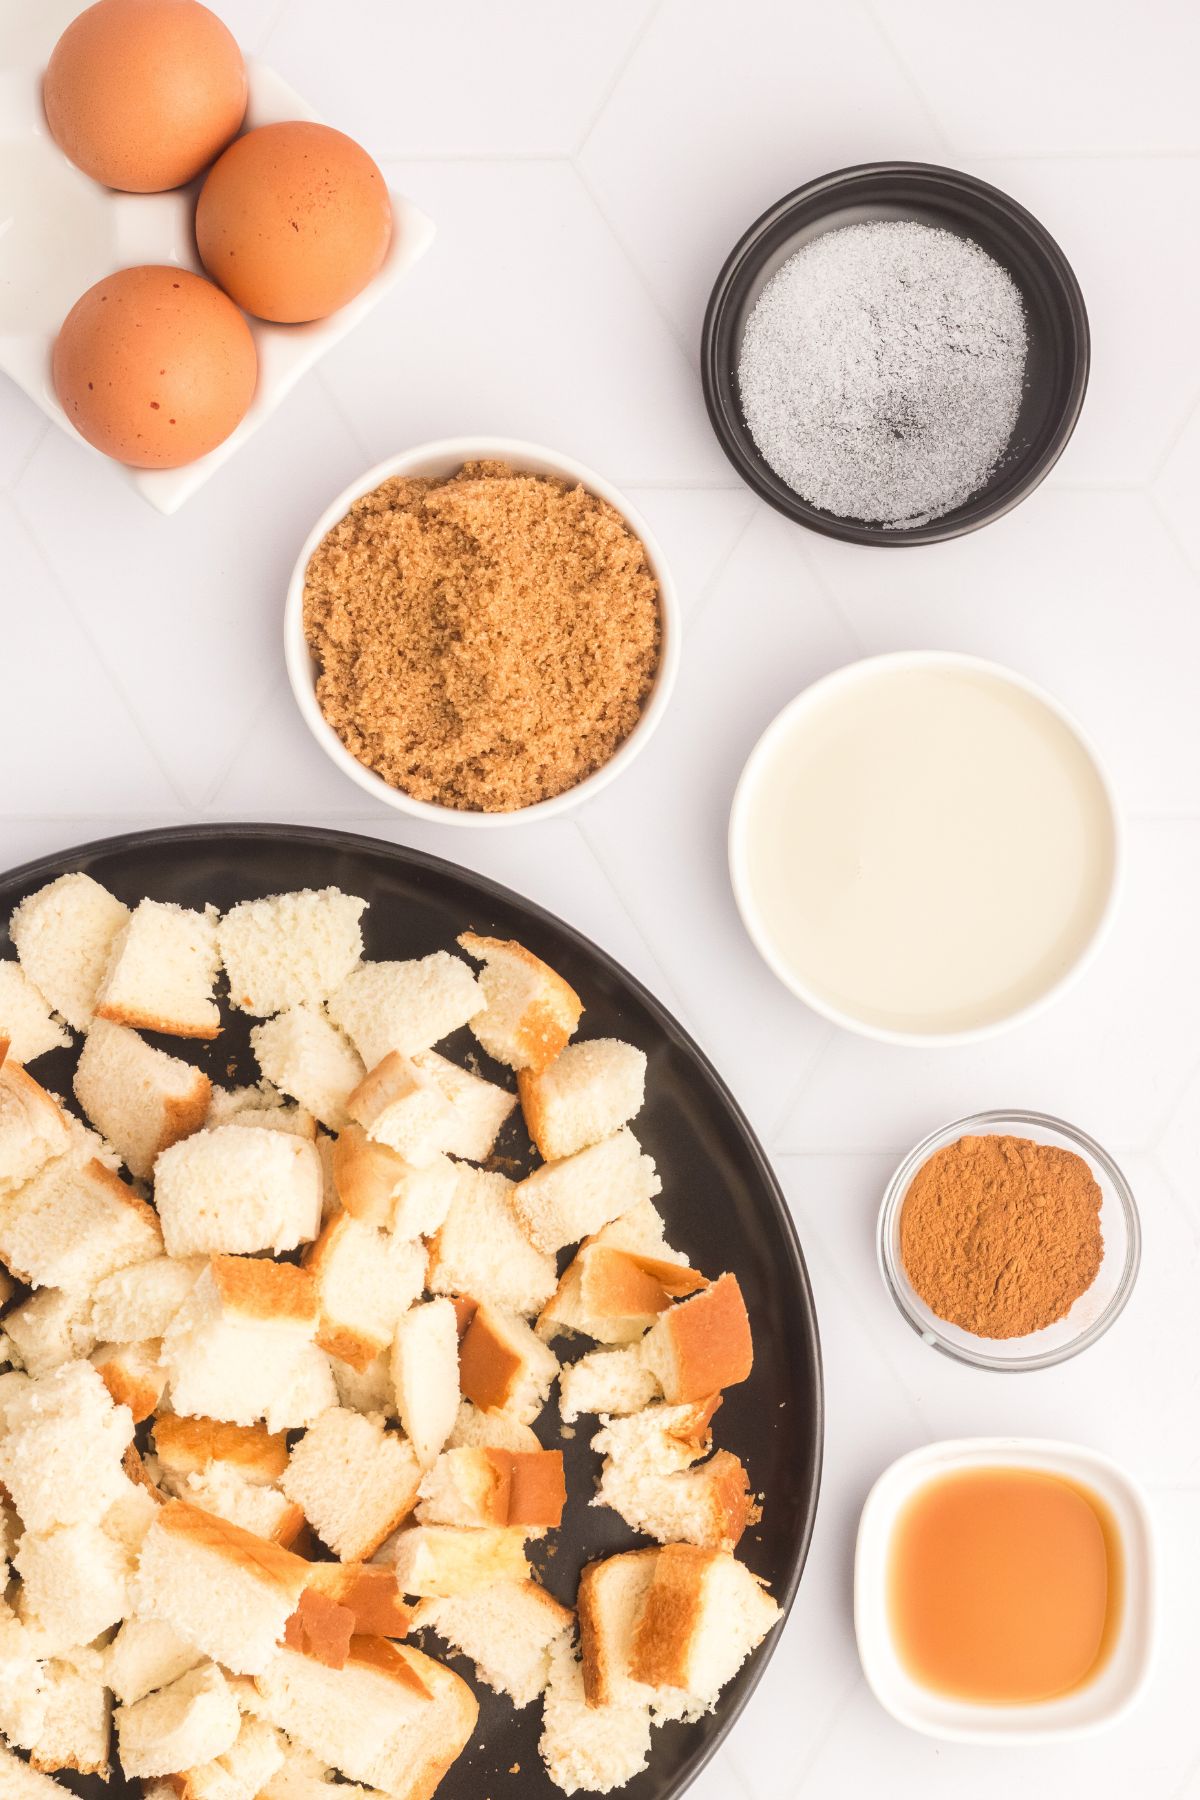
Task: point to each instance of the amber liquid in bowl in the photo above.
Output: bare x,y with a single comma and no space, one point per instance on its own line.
1004,1585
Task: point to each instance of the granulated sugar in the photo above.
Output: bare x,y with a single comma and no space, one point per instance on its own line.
881,371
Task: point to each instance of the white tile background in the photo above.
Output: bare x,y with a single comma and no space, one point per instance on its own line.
589,165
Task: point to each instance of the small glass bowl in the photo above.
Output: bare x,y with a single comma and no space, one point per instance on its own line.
1092,1313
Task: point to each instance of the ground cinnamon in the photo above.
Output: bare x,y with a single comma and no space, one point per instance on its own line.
1000,1235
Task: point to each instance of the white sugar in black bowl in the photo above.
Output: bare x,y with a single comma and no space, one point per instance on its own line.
1058,342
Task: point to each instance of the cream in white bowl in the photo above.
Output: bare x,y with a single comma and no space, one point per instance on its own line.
438,461
925,847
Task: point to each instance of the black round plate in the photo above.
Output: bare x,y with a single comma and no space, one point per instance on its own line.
720,1199
1056,370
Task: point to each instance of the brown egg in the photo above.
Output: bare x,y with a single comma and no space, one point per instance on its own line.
155,366
143,94
293,221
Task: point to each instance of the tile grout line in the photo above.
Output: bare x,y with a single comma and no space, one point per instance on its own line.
900,64
635,44
23,466
212,793
1177,543
97,651
703,599
840,1707
1173,443
690,356
273,23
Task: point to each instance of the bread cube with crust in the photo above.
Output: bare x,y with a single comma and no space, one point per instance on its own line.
648,1477
225,1493
368,1391
75,1728
49,1329
530,1013
377,1186
141,1300
234,1191
75,1583
476,1429
354,1481
369,1591
133,1374
186,1446
702,1616
562,1202
366,1280
434,1562
290,949
74,1223
481,1249
144,1655
401,1106
141,1098
405,1006
61,1448
507,1630
239,1773
702,1345
302,1053
478,1108
63,934
593,1748
26,1020
585,1095
615,1382
33,1127
504,1366
481,1487
613,1295
193,1720
234,1346
425,1375
160,972
222,1589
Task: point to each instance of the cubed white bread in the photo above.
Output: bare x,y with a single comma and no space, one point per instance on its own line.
504,1366
20,1782
366,1280
61,1450
290,949
369,1390
399,1105
709,1504
192,1720
593,1748
435,1562
33,1127
130,1516
134,1374
306,1056
233,1347
50,1328
478,1108
74,1223
490,1431
703,1344
261,1106
611,1596
309,1391
486,1487
234,1191
354,1481
239,1773
507,1630
301,1776
144,1655
75,1584
191,1446
562,1202
141,1300
63,934
482,1250
24,1691
377,1186
391,1717
160,972
615,1382
223,1589
613,1295
659,1440
26,1021
530,1011
585,1095
220,1490
425,1375
643,1231
405,1006
703,1615
76,1728
368,1591
141,1098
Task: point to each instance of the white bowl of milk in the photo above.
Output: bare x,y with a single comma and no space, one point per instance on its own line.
925,847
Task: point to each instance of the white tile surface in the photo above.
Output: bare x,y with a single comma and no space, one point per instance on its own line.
589,167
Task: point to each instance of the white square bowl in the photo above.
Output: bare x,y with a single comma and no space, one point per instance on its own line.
60,232
1100,1701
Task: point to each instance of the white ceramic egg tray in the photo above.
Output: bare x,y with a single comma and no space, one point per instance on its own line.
60,232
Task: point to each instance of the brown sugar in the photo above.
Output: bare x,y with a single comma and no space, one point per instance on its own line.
486,641
1000,1235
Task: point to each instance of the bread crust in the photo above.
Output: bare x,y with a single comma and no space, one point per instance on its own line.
672,1613
274,1292
704,1344
346,1342
366,1175
187,1444
141,1019
550,1017
537,1487
370,1592
489,1369
268,1562
320,1628
601,1682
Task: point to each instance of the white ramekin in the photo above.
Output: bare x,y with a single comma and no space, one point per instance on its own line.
440,459
743,889
1099,1702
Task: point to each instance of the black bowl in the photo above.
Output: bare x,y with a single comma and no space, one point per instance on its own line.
1059,352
